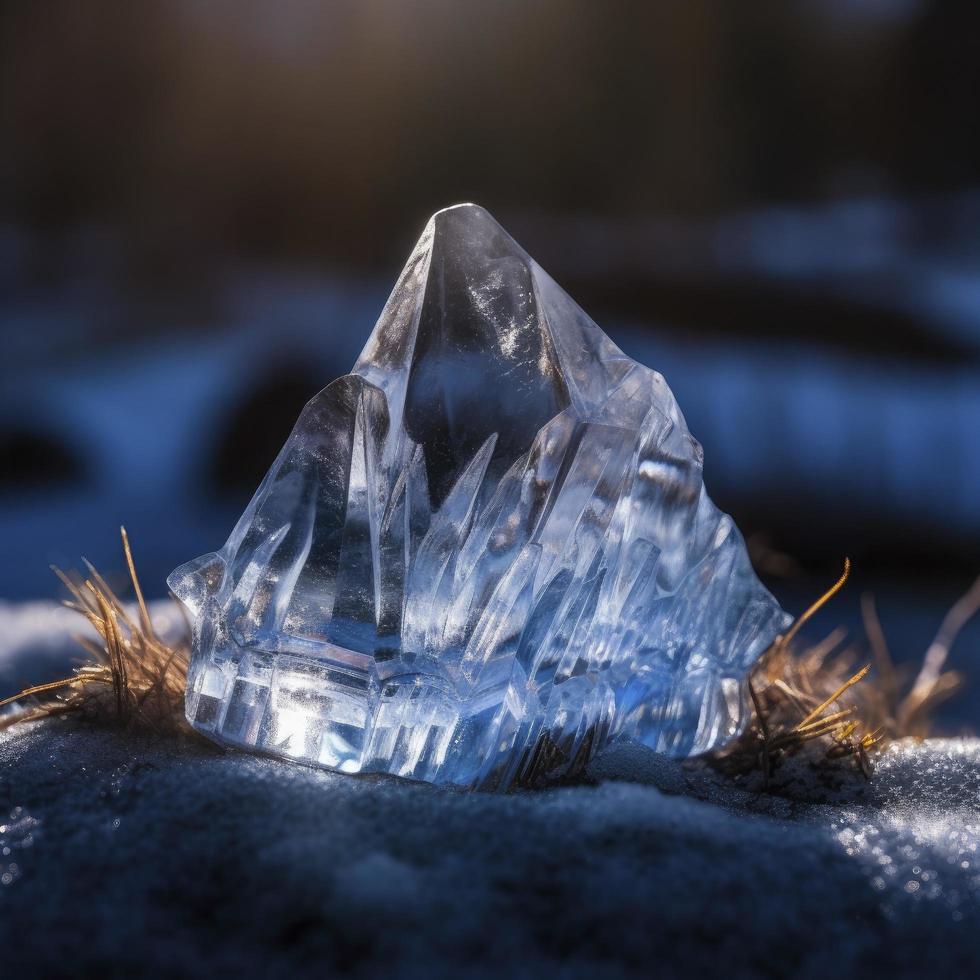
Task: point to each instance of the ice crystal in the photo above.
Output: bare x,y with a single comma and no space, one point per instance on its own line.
481,555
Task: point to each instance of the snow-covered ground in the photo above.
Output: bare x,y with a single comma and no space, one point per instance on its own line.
122,855
130,857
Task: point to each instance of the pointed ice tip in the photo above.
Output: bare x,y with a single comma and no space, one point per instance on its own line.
470,230
460,217
463,207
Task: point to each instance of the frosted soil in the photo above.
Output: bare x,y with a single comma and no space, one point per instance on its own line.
120,854
123,854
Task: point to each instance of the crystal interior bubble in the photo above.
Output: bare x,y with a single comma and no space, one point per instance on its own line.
481,555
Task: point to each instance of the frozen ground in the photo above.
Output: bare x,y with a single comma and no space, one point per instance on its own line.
128,856
121,855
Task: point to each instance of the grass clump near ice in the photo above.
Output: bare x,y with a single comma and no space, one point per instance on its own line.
820,705
132,677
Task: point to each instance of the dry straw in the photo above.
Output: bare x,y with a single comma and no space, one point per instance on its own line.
133,677
823,695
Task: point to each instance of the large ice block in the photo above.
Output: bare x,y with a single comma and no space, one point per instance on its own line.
481,555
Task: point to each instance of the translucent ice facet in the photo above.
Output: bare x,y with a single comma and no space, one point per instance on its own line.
483,554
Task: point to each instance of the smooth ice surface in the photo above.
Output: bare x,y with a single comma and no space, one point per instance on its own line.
481,555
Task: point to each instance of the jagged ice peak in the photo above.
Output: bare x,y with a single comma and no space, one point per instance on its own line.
483,554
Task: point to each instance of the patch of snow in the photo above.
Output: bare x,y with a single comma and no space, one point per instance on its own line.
174,858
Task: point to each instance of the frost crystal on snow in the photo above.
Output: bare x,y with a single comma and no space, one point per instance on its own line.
486,551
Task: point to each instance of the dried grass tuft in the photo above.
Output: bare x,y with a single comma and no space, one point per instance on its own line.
822,696
133,678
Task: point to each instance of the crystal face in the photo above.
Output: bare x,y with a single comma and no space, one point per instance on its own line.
481,555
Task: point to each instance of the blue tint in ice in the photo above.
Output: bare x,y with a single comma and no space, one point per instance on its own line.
483,554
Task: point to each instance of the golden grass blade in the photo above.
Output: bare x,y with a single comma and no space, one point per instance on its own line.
144,614
833,697
817,606
109,594
84,601
836,716
29,692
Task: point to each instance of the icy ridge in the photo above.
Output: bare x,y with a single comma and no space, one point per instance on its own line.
491,540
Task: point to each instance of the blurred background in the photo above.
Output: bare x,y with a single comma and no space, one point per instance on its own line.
203,205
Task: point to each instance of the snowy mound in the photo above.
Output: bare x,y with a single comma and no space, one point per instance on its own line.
126,857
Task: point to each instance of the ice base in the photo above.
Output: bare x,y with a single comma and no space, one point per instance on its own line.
331,713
